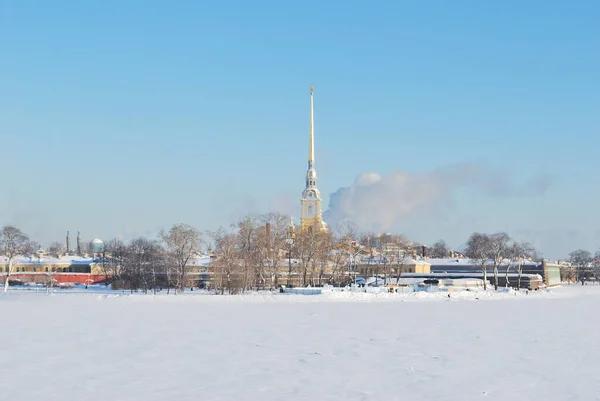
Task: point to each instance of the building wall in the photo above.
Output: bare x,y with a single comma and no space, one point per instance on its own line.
47,268
422,268
419,267
56,278
549,273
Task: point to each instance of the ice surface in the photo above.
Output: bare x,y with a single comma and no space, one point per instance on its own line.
337,346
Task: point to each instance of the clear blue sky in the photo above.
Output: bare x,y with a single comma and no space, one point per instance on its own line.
125,117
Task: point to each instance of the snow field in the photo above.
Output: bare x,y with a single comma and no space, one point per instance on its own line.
339,346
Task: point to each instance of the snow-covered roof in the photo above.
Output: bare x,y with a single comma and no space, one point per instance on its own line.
48,260
468,262
200,260
377,259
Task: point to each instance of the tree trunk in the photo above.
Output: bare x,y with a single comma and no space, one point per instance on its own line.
484,278
305,269
496,278
8,274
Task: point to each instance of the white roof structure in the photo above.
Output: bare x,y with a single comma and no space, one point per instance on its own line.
48,260
467,262
200,260
378,259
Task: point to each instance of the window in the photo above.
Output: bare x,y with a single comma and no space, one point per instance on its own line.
310,210
46,269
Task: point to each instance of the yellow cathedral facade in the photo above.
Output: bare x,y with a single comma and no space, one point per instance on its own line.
311,219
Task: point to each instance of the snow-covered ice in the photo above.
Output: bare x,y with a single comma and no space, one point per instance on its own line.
337,346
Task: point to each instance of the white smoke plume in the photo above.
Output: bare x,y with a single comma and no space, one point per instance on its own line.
379,202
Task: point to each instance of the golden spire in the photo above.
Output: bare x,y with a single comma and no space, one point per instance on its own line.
311,145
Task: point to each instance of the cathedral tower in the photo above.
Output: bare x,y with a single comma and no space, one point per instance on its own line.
312,216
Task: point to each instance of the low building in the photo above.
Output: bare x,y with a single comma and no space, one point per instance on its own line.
45,269
379,264
475,279
549,272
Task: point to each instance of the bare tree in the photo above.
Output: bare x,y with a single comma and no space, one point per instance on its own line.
369,247
325,248
346,229
519,252
478,248
31,248
439,250
181,242
226,270
489,248
582,260
251,249
499,246
14,243
57,248
596,266
306,246
278,229
142,264
346,232
115,251
339,258
383,262
404,250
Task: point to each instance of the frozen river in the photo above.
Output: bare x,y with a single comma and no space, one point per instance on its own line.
290,347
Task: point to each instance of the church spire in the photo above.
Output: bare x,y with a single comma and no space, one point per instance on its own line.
311,217
311,144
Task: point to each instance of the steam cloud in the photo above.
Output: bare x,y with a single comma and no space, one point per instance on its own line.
379,202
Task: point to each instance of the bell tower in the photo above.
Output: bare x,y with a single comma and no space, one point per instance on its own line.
312,215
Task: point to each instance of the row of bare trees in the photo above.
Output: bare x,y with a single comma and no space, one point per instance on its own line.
252,253
249,255
583,266
498,250
141,264
246,256
265,251
147,264
387,255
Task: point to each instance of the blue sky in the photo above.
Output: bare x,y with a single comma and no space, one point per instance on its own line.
122,118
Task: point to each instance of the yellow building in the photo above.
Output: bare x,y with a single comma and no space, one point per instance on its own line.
411,265
311,219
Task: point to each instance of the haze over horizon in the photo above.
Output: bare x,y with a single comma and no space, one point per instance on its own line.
432,119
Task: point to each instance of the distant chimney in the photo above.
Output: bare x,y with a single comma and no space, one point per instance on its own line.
68,243
268,241
424,251
78,244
